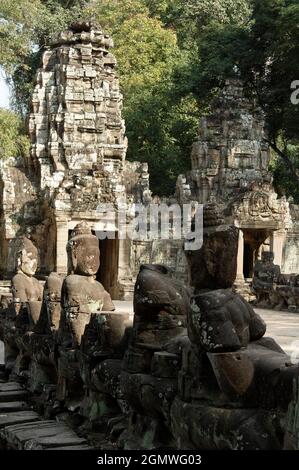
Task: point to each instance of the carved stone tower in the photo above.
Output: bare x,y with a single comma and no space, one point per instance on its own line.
230,151
76,127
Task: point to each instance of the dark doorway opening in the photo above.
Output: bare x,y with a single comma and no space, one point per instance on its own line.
108,272
248,261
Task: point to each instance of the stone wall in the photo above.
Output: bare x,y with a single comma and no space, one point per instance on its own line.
167,252
78,137
19,210
77,162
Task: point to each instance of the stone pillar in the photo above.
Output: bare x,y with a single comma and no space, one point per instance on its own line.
1,352
61,242
277,240
125,280
240,259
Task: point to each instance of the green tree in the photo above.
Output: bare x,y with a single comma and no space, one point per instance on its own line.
160,126
270,69
26,27
13,140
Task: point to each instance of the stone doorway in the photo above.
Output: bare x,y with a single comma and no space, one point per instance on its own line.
254,239
108,272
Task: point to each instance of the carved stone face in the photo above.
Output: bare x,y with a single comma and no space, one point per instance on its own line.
86,256
27,262
268,257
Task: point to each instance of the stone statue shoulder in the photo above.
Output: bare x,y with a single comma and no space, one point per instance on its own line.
38,287
223,321
26,288
81,290
19,284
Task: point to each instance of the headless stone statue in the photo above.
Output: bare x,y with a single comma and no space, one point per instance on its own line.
284,292
49,320
221,320
82,295
152,362
41,343
265,275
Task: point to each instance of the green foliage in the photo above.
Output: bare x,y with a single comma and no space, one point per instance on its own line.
15,30
25,28
158,123
272,64
164,136
111,14
284,181
146,52
206,12
220,52
261,48
13,140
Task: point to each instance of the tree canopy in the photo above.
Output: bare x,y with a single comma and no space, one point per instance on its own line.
13,139
261,49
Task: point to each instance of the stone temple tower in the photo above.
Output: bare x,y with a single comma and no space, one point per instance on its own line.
230,151
76,124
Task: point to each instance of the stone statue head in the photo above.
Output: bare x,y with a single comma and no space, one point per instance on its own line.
83,251
26,256
267,257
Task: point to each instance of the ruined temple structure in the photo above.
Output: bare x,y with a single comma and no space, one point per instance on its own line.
77,160
190,366
230,169
77,164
